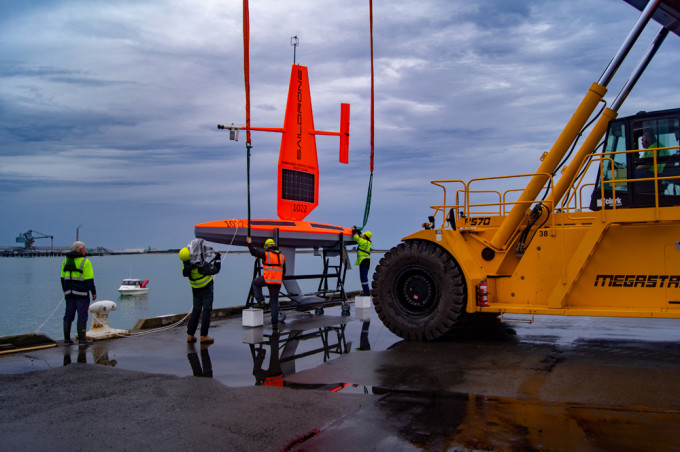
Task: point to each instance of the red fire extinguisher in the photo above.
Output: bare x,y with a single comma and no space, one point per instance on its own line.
483,293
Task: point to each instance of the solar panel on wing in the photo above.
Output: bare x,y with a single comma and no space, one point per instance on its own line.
297,186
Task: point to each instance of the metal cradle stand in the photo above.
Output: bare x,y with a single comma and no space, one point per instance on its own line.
331,287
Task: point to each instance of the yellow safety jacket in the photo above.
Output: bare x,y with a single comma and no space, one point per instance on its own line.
197,279
363,250
660,153
77,276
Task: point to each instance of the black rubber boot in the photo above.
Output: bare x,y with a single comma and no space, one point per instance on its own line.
82,337
67,333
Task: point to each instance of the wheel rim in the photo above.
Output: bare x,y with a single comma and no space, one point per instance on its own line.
416,291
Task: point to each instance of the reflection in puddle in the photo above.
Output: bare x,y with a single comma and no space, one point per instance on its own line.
542,394
198,369
418,420
282,348
99,352
363,337
479,422
273,374
80,353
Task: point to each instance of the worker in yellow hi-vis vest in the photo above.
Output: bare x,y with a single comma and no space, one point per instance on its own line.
363,256
199,265
77,282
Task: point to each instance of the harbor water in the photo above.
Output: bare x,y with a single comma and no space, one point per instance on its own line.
31,299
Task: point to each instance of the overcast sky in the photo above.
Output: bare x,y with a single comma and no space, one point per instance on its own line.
108,109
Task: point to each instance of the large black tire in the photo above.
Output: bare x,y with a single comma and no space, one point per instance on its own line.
419,291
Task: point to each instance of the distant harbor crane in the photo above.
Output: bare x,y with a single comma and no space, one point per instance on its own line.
29,237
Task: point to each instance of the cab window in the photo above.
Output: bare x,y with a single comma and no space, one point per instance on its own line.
614,166
649,136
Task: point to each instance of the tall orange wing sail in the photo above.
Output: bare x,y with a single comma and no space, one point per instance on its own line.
298,172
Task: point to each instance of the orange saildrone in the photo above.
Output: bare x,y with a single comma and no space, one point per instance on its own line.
298,180
297,189
297,196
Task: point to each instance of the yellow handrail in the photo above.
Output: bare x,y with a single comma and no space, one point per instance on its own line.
501,201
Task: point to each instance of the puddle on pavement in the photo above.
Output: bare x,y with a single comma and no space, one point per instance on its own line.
248,356
403,420
413,393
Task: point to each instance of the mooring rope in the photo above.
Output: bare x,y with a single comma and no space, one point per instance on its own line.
50,316
179,322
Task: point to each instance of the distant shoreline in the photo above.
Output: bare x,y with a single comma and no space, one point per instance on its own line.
61,251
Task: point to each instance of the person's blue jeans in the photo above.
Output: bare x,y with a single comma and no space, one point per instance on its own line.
79,304
363,274
258,284
203,302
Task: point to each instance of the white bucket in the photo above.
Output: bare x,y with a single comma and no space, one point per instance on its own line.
362,301
252,317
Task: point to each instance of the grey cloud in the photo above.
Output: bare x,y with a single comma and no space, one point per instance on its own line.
18,69
131,92
266,107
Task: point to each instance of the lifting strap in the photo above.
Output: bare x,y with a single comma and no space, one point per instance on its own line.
246,78
246,65
367,209
370,5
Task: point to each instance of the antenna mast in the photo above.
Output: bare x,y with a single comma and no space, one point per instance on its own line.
294,41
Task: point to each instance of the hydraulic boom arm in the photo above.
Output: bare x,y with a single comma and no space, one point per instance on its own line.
595,94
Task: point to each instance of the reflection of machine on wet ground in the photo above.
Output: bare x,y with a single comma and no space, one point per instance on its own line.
326,337
335,266
560,384
433,421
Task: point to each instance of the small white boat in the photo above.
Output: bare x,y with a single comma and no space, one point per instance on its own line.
133,286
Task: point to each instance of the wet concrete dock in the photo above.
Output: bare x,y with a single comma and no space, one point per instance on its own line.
339,382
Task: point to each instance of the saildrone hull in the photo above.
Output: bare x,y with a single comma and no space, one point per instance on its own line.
291,234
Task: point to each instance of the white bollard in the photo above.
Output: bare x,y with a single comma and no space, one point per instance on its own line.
100,328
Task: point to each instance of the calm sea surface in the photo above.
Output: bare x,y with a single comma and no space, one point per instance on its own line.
31,299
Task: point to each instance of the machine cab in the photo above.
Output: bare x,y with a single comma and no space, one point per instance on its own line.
640,162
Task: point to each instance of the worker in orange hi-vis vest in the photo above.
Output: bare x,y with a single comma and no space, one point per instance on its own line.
273,270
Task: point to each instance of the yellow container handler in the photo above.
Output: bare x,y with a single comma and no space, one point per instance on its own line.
558,243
